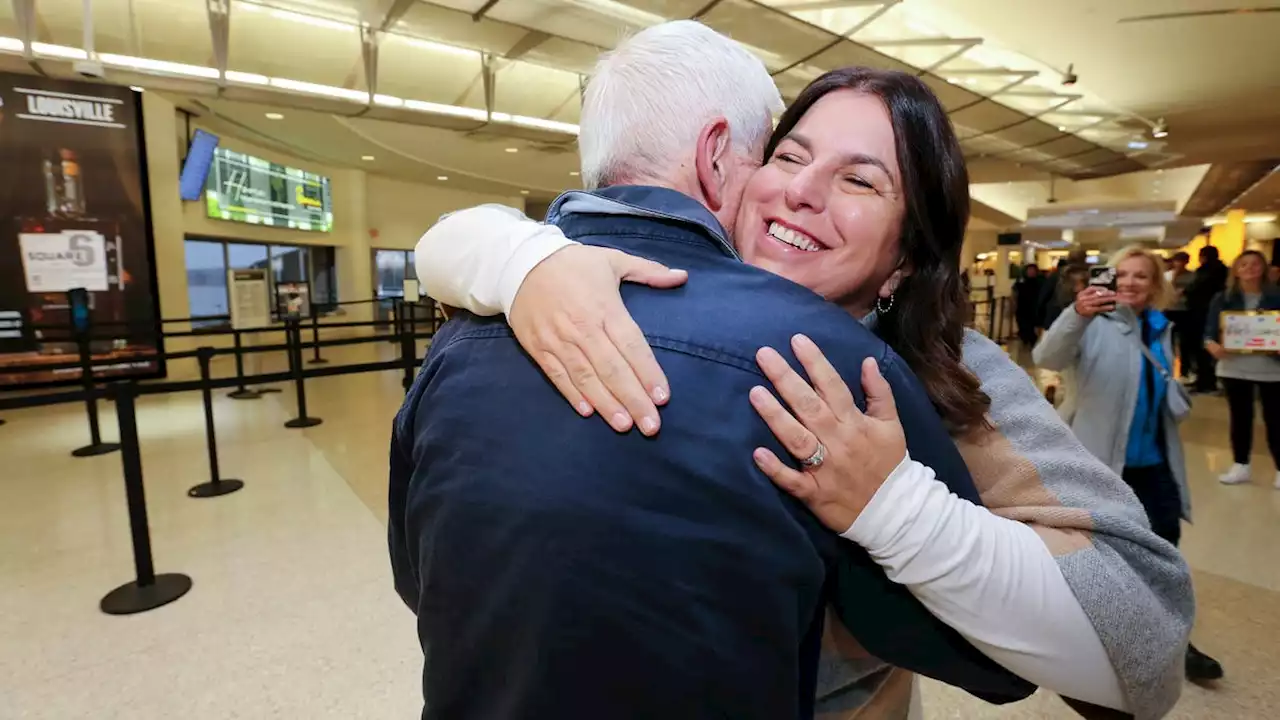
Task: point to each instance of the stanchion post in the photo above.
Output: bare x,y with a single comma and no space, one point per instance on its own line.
241,392
294,334
315,338
95,446
406,344
991,316
217,485
148,590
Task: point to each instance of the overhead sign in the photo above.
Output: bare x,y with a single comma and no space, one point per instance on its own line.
244,188
1252,331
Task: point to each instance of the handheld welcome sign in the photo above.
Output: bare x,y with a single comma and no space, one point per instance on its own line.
1251,331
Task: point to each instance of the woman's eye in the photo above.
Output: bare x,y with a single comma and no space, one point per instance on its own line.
859,182
786,158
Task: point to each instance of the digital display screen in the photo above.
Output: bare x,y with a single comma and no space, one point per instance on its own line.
244,188
196,168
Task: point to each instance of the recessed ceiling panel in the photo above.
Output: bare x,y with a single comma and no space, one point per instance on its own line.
271,43
409,70
778,39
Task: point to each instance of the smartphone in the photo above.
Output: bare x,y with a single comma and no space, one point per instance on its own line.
1103,277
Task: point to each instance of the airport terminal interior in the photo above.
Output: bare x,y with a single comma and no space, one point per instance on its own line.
209,306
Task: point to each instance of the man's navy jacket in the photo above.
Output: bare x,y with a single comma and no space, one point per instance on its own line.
560,570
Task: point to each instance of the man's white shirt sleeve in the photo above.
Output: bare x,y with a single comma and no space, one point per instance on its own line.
476,259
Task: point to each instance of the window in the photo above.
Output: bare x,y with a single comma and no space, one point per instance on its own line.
208,261
206,279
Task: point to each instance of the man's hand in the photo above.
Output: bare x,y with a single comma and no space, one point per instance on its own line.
568,315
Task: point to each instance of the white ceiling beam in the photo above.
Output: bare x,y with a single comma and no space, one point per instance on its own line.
960,50
995,72
24,11
370,42
922,42
802,5
219,12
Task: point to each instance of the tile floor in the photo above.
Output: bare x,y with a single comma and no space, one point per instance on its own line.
292,614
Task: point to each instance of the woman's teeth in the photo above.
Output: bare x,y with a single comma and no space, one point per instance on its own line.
792,238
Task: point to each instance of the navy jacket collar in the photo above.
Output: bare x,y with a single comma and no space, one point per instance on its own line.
643,201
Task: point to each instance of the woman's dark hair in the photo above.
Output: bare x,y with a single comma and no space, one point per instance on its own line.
926,322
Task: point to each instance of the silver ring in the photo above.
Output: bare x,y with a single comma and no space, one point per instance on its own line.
815,460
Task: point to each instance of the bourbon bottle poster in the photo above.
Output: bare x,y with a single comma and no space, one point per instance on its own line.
74,214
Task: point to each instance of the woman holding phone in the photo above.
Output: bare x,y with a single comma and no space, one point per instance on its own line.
1244,375
1112,340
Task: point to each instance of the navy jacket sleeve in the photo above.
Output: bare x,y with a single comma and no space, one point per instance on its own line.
1212,323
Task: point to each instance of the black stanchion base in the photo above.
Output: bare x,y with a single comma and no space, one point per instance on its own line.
264,391
2,422
215,489
133,598
244,394
98,449
303,422
317,361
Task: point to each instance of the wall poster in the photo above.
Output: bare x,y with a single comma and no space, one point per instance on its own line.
74,214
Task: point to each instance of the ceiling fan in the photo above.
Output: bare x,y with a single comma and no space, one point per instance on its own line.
1253,10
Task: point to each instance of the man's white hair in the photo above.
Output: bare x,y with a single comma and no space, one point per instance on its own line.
650,97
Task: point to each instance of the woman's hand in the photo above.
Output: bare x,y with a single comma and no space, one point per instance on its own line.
1215,349
568,315
1093,300
860,450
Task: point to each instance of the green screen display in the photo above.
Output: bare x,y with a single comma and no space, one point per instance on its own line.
243,188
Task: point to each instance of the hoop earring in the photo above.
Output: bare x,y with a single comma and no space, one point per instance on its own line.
883,308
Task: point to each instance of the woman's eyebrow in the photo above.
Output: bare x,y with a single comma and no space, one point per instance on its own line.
847,159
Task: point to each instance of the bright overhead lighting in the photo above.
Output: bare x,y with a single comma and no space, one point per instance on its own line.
439,47
9,44
538,123
163,67
275,116
367,158
513,150
524,192
59,51
1062,128
137,88
248,78
1248,219
442,177
453,110
574,173
1160,129
1137,145
314,89
618,11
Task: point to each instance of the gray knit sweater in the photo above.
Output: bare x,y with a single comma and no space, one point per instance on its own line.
1135,587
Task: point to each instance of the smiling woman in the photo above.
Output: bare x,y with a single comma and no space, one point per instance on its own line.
864,166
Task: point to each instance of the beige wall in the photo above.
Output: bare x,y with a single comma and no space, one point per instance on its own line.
363,204
401,211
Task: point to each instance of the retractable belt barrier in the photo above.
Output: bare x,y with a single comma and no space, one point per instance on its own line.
149,590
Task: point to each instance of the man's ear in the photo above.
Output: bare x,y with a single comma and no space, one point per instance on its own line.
711,162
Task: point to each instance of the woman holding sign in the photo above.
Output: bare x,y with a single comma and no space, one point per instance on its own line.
1245,374
1127,405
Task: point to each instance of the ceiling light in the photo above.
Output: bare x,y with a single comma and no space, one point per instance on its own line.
574,173
11,44
274,116
524,192
1069,77
157,66
513,150
314,89
1137,145
59,51
438,109
442,178
439,47
247,78
1160,129
367,158
1062,128
137,88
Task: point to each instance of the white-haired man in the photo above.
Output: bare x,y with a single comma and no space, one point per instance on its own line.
561,570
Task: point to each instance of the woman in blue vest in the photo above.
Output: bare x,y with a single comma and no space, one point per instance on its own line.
1122,414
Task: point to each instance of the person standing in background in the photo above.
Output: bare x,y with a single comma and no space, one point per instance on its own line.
1027,298
1210,279
1121,414
1186,335
1056,295
1246,374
